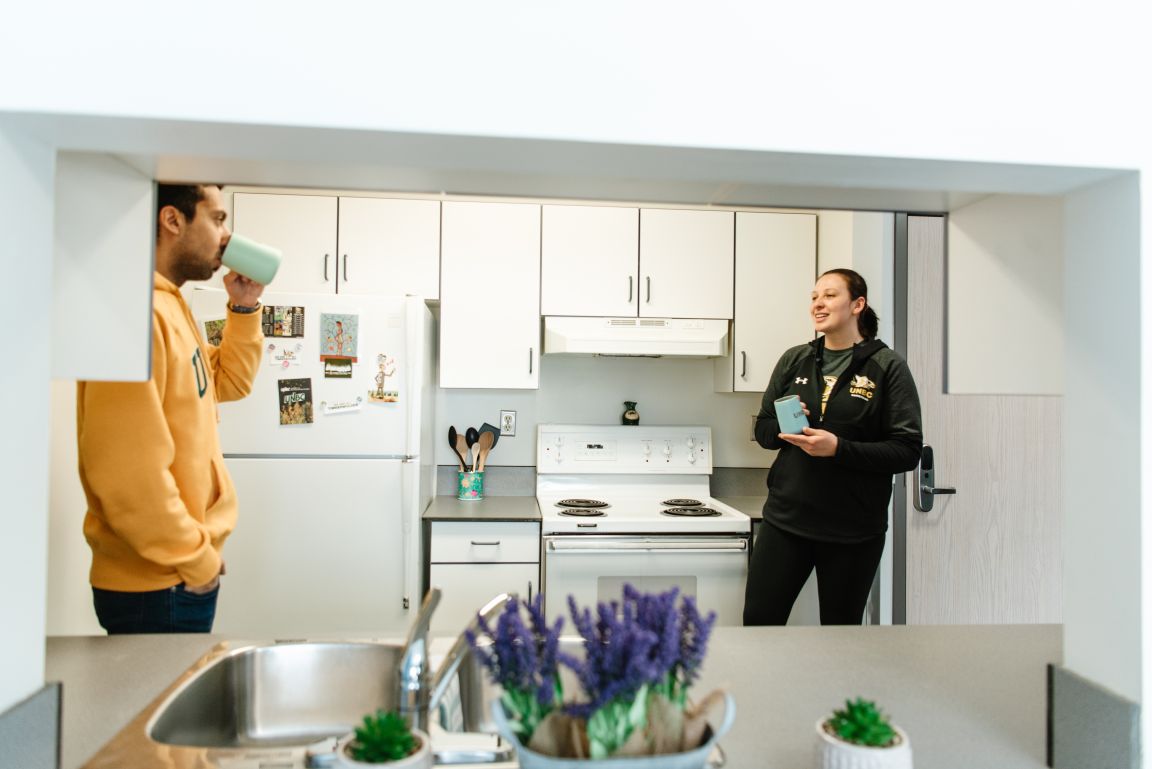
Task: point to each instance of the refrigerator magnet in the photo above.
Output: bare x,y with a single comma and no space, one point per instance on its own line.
282,355
337,368
214,331
385,367
284,321
295,401
338,335
328,408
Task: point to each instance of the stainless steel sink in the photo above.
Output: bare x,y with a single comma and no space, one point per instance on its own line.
272,704
279,695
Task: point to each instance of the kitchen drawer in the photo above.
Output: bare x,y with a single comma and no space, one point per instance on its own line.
465,588
485,542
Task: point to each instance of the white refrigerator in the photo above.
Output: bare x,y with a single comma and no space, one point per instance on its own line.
331,457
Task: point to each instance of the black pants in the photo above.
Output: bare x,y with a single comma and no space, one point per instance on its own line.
781,563
171,610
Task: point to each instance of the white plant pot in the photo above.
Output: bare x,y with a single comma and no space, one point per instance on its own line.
421,759
832,753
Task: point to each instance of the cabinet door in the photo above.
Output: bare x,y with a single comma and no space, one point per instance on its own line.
775,270
303,227
465,588
490,295
589,260
389,247
686,263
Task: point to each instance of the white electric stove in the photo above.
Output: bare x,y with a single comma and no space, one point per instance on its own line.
631,504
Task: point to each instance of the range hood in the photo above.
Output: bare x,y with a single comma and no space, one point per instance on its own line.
637,337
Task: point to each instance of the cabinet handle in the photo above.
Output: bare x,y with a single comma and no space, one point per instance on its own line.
325,268
496,543
345,278
743,364
648,280
529,591
629,289
531,353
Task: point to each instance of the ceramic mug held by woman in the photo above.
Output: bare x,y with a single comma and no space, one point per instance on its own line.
829,487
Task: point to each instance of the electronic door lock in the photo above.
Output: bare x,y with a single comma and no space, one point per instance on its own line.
926,489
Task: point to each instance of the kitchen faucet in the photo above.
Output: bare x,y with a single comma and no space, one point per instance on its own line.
416,693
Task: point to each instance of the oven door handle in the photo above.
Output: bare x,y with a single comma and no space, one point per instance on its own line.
579,545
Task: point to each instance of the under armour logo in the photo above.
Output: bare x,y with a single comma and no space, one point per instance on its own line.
801,380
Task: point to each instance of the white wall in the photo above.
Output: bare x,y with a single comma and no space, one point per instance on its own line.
1102,528
1005,314
26,171
104,234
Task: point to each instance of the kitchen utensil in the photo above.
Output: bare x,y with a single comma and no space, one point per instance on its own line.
454,442
471,435
487,428
462,450
484,444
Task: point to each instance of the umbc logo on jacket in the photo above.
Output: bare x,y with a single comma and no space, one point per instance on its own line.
201,374
862,387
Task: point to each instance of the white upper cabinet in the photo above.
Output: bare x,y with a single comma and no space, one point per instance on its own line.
347,245
389,247
775,271
302,227
490,295
589,260
686,263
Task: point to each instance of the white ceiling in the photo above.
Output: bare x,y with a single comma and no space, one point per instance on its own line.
471,165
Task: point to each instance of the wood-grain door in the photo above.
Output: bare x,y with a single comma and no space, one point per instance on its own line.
990,553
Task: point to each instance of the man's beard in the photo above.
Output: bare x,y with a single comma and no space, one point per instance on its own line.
187,265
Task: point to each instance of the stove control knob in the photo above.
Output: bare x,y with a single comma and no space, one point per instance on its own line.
691,443
667,448
691,459
647,449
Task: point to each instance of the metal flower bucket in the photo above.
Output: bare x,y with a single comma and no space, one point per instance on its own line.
698,758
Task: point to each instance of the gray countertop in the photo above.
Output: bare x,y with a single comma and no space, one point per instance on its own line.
753,507
445,508
968,696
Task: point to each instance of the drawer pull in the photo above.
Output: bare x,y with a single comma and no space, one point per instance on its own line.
497,542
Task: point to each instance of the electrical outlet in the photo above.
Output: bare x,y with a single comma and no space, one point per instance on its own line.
508,423
752,429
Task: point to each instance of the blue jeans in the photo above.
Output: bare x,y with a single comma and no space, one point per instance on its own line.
171,610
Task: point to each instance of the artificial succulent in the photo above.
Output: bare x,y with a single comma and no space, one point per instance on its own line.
383,737
860,722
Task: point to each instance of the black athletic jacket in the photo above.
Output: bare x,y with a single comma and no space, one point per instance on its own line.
873,410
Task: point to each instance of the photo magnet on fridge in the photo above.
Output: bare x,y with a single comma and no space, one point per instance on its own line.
214,331
337,368
790,414
295,401
338,336
385,367
282,321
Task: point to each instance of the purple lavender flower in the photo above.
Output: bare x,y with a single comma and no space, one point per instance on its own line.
523,660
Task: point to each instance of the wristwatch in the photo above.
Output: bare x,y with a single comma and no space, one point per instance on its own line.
244,310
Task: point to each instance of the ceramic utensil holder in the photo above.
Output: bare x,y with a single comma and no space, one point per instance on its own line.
470,486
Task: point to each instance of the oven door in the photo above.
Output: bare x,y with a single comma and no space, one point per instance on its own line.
594,568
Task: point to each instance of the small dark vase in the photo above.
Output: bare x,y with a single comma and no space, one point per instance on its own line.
630,415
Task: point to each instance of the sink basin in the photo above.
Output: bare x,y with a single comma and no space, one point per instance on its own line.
277,695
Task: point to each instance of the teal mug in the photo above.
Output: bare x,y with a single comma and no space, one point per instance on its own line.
251,259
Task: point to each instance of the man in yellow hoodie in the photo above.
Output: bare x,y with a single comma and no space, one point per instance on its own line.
160,501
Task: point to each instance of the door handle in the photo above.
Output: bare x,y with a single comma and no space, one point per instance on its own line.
926,489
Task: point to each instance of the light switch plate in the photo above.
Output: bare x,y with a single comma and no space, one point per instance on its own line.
507,423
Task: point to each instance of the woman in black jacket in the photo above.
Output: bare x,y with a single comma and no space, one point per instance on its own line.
829,488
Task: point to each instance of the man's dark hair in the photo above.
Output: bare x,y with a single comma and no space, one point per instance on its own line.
183,197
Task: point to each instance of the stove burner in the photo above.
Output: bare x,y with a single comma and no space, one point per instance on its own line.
677,502
581,512
581,503
692,512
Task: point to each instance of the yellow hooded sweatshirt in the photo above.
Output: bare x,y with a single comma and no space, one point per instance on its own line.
160,501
